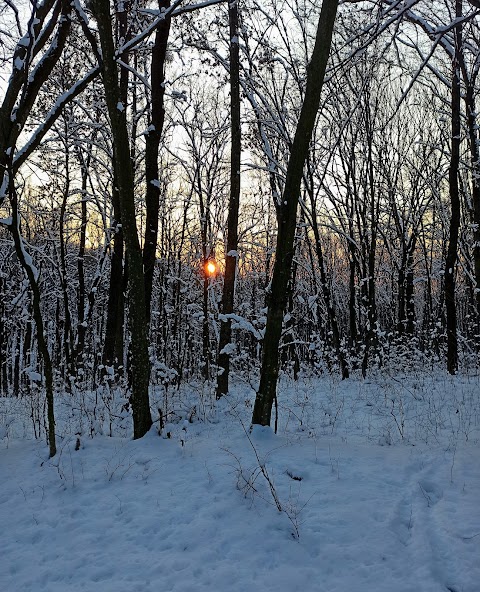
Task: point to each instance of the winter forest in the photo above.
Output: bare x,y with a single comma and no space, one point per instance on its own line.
240,295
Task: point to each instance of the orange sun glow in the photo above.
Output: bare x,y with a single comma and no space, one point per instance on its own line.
211,268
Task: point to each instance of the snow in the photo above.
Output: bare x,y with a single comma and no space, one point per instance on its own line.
240,323
369,502
4,186
229,349
32,375
28,259
19,63
80,11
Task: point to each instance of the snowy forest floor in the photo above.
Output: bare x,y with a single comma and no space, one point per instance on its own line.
378,483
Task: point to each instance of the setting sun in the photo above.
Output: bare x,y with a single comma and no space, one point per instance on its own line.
211,268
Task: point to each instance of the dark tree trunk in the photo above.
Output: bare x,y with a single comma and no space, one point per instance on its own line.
410,289
114,324
231,258
327,297
451,259
289,348
67,337
287,215
371,337
27,348
352,300
79,352
15,368
205,331
140,367
401,290
472,119
3,339
113,350
57,349
153,137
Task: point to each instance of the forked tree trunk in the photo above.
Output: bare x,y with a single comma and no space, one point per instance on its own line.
287,215
113,350
140,368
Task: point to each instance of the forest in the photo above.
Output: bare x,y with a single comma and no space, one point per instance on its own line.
104,279
215,208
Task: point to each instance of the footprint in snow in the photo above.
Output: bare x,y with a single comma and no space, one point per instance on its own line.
432,492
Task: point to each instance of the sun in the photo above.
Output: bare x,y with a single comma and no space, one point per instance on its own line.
211,268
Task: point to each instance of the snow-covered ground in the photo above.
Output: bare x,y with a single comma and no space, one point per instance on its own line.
378,483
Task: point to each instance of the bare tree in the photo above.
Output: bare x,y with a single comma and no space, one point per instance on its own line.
140,366
231,257
287,215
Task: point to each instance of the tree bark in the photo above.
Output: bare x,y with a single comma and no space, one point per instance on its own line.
371,337
113,344
231,258
152,195
451,258
3,339
472,119
287,215
140,367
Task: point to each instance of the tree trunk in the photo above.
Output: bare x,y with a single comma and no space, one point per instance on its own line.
32,276
114,324
231,259
3,339
206,330
140,367
472,119
68,337
401,290
410,289
327,297
79,351
451,259
371,337
152,195
287,215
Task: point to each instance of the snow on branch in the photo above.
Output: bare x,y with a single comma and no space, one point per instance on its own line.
52,116
183,9
241,323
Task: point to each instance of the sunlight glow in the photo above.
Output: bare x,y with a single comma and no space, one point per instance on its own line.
211,268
